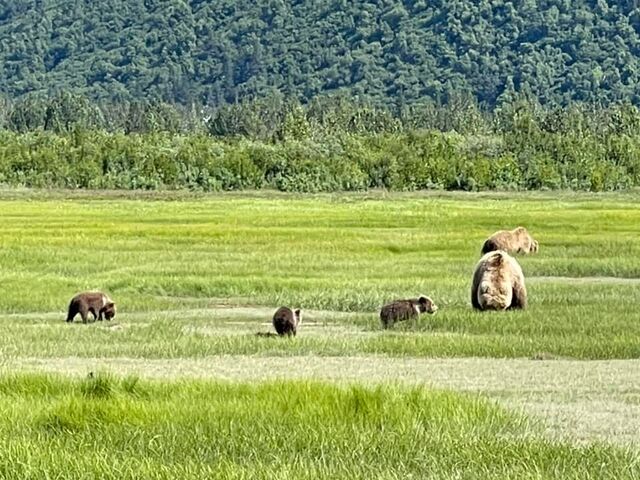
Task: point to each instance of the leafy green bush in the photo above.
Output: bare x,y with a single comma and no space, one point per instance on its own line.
521,159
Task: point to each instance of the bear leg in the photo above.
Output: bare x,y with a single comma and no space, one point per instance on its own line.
519,297
73,311
84,314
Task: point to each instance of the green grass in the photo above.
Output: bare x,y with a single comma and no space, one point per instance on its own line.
168,259
199,276
103,427
457,333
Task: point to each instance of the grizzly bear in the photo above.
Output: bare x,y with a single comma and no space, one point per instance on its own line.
517,240
498,283
96,303
400,310
286,321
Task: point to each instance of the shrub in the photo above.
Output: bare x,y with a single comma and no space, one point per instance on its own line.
416,160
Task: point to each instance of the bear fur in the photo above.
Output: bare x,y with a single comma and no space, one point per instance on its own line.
517,240
401,310
96,303
498,283
286,321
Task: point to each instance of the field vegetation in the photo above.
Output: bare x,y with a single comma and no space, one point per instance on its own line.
169,263
339,132
196,276
125,429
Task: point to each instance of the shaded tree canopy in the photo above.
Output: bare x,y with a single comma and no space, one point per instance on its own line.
392,53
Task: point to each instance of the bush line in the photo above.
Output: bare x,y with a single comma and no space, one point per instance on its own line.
405,161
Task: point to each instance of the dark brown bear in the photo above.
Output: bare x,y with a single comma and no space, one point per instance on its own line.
406,309
96,303
286,321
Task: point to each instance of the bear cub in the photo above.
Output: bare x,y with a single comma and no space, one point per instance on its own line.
96,303
400,310
286,321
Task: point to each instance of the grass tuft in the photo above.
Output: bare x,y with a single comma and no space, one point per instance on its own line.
98,385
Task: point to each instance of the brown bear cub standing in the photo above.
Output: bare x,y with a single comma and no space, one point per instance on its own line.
517,240
498,283
96,303
286,321
400,310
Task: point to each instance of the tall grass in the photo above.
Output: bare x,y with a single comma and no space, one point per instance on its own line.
56,428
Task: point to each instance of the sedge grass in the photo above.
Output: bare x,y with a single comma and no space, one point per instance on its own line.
162,258
107,427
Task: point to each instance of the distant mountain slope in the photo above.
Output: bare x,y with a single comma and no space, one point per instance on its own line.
390,51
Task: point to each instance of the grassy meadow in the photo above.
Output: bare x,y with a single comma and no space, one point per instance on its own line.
175,266
195,277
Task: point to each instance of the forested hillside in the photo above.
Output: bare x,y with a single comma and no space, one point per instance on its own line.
390,51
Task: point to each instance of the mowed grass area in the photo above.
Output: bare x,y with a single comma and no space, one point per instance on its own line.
103,427
172,261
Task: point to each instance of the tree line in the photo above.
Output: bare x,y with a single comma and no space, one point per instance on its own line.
330,144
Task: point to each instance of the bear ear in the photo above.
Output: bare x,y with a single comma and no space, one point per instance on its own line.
423,300
110,305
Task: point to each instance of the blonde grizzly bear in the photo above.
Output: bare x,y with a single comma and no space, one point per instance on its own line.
286,321
517,240
400,310
498,283
96,303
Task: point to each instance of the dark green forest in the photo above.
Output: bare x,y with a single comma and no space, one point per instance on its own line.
389,52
